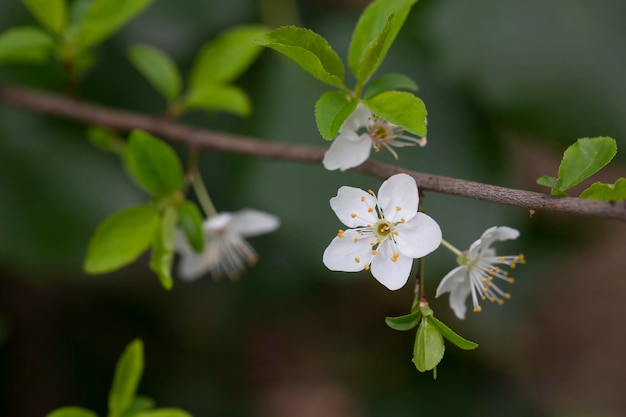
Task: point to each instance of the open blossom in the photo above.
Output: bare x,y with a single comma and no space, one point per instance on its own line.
361,132
386,233
478,270
226,252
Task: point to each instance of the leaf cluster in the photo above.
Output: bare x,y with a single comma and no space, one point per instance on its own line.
580,161
123,398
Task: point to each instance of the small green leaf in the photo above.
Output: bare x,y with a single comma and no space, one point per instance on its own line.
548,181
215,97
331,110
128,373
428,349
449,334
158,68
402,323
105,17
105,139
52,14
374,54
71,412
584,158
376,17
309,50
400,108
164,412
606,192
190,220
226,57
153,164
120,239
162,255
389,82
139,404
25,44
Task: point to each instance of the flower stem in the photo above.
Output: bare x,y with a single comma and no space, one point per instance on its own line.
203,195
450,247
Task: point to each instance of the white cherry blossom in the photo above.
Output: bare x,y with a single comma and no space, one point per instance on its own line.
361,132
478,269
386,233
226,251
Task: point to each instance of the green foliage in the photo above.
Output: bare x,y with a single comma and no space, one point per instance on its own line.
403,323
121,238
370,43
138,405
428,349
162,255
158,68
25,44
218,97
400,108
331,110
309,50
389,82
71,412
190,220
153,164
606,192
105,139
225,58
449,334
52,14
105,17
126,379
580,161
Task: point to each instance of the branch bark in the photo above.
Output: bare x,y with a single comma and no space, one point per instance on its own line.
200,139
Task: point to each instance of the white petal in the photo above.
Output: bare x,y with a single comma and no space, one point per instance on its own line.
191,266
419,236
351,205
457,283
344,254
392,275
346,152
218,222
398,197
358,119
250,222
489,236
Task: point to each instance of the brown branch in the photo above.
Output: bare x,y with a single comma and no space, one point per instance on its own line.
226,142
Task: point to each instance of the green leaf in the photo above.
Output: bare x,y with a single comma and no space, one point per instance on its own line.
71,412
153,164
400,108
105,139
449,334
402,323
389,82
105,17
127,376
158,68
309,50
373,55
548,181
215,97
139,404
25,44
226,57
379,15
606,192
162,255
331,110
120,239
584,158
52,14
428,349
164,412
190,220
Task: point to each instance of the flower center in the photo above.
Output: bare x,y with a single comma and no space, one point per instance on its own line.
383,229
380,132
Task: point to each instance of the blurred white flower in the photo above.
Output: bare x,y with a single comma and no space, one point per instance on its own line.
478,267
386,233
361,132
226,252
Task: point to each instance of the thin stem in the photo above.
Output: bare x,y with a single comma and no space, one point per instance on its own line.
203,195
451,248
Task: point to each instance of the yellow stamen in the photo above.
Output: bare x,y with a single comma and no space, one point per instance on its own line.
366,267
357,260
340,233
353,215
507,296
511,280
398,208
478,309
369,210
356,239
371,192
363,198
402,220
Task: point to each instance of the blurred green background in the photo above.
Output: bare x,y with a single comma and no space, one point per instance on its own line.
508,85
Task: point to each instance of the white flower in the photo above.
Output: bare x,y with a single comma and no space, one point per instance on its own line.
477,270
226,252
351,148
386,233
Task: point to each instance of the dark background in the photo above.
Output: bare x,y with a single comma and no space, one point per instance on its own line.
508,85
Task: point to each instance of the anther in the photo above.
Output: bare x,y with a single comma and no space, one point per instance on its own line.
511,280
366,267
507,296
340,233
369,210
371,192
398,208
356,239
357,260
478,309
353,215
402,220
363,198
